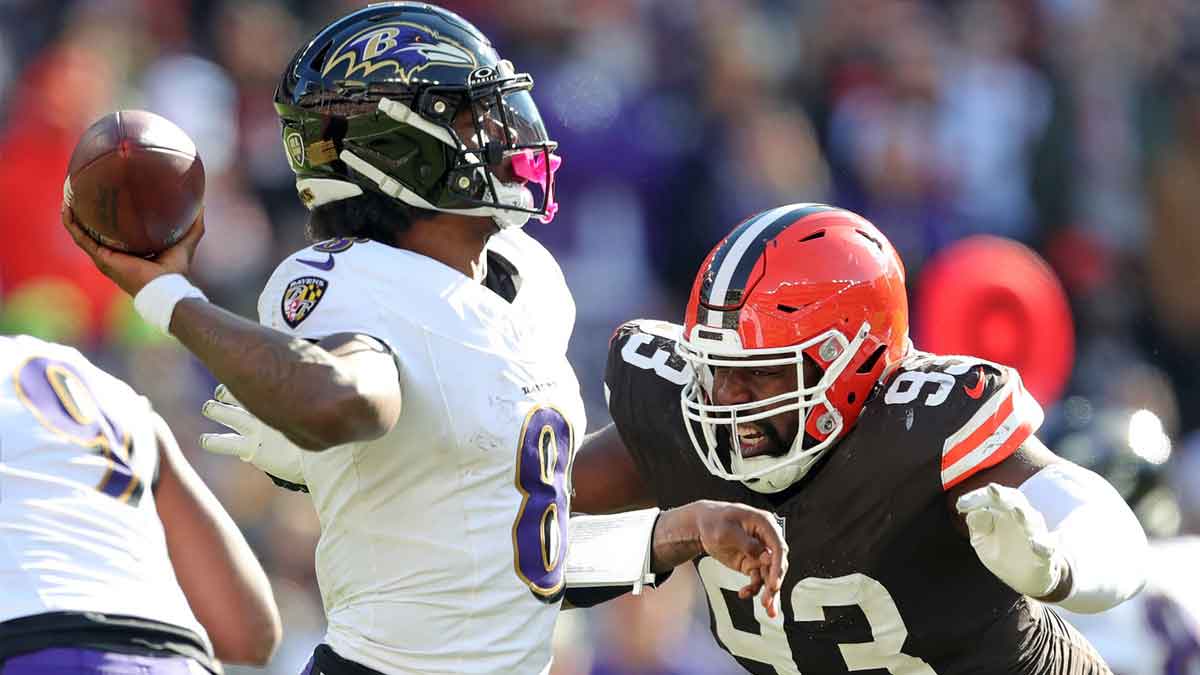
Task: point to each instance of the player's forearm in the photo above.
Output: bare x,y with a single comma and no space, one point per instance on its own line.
224,583
293,385
676,539
740,537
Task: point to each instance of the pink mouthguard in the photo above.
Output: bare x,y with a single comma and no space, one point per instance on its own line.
531,166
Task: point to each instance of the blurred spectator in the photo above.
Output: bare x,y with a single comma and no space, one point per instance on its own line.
1072,125
994,110
239,253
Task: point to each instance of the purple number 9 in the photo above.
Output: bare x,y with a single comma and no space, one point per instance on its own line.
60,399
539,535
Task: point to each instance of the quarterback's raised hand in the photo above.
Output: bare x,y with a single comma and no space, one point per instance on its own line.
252,440
740,537
1011,539
130,272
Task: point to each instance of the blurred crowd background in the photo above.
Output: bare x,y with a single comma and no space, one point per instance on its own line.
1072,126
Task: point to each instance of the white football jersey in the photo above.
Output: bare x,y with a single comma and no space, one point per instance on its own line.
1157,631
78,527
442,543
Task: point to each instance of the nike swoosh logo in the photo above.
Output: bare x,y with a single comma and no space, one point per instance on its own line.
973,392
323,266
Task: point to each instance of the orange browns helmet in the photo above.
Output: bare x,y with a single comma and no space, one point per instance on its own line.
797,281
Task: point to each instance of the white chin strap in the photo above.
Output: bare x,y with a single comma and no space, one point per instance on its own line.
324,190
772,481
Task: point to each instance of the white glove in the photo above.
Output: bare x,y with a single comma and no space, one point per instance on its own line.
1011,539
253,441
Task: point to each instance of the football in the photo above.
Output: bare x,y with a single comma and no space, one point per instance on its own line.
135,182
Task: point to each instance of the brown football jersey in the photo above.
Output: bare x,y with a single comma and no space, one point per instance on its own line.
879,578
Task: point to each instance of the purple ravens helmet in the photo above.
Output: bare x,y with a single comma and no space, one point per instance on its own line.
412,101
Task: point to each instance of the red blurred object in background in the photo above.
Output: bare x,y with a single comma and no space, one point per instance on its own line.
996,299
58,96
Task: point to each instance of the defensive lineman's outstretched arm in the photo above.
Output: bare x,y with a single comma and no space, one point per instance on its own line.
343,389
224,583
1052,530
743,538
740,537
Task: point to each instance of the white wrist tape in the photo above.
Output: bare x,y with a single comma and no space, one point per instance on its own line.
1095,531
157,299
611,550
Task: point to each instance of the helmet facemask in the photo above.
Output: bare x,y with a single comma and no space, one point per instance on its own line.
718,443
504,127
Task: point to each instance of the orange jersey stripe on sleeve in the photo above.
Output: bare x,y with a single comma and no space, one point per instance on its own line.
1022,432
996,430
989,426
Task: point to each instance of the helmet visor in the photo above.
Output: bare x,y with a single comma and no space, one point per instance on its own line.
508,127
512,119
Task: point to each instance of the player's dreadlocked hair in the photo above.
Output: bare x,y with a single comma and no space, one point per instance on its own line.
370,215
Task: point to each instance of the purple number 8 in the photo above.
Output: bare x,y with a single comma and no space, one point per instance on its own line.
543,470
58,396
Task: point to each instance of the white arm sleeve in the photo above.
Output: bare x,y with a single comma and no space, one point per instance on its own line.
1095,531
